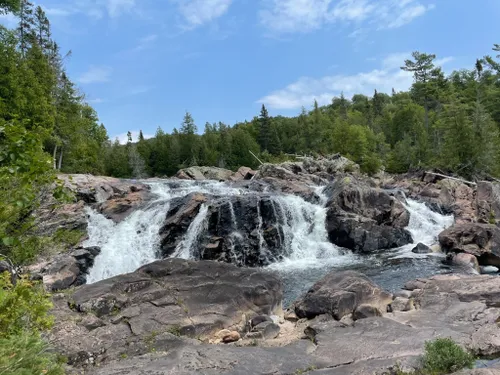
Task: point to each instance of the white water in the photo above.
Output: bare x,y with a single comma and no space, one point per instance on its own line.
135,241
425,226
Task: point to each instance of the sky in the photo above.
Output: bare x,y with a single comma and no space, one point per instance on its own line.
143,63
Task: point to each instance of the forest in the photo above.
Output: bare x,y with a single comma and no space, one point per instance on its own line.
448,122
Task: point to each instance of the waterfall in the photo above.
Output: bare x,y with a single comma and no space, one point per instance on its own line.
301,233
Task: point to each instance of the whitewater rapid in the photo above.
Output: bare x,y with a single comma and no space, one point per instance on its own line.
135,241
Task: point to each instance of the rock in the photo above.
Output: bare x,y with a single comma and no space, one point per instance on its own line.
291,316
120,208
160,304
421,249
467,262
480,240
339,294
365,311
5,267
489,269
243,173
180,215
231,337
403,294
268,330
365,219
204,173
402,304
66,270
222,333
259,319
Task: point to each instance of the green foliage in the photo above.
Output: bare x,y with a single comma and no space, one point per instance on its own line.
27,354
23,307
444,356
24,315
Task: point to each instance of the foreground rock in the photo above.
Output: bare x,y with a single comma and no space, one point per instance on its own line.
363,218
342,293
66,270
150,309
479,240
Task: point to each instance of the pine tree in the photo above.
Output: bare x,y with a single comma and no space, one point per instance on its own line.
188,126
264,129
26,26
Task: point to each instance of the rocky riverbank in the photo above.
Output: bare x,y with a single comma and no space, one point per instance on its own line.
211,314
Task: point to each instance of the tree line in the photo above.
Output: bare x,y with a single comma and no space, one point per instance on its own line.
446,122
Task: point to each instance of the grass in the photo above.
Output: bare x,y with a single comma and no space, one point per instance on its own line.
303,371
174,330
442,356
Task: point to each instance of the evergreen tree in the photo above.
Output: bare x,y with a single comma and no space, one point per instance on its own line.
264,129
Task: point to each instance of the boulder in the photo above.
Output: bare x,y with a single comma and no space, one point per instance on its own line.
66,270
204,173
231,337
480,240
159,304
120,208
341,293
243,173
267,330
181,213
466,262
401,304
421,249
364,219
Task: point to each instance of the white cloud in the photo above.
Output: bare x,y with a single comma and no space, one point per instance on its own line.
122,138
95,101
8,20
305,90
199,12
291,16
116,7
58,12
96,74
139,90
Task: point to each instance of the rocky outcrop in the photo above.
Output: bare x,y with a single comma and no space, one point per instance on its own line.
342,293
204,173
488,202
243,173
66,270
446,196
154,307
363,218
181,213
479,240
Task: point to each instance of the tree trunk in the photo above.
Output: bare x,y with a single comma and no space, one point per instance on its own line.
54,157
60,158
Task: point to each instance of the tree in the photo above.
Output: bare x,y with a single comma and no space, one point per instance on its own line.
9,6
26,25
188,126
264,129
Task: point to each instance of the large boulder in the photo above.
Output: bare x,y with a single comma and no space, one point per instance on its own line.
204,173
480,240
488,202
181,213
120,208
364,218
243,173
342,293
148,310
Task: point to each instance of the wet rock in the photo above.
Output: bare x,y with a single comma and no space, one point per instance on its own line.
365,219
421,249
120,208
180,215
258,320
480,240
340,294
204,173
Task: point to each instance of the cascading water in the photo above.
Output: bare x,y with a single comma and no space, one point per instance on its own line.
305,255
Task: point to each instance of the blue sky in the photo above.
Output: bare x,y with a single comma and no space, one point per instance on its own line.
143,63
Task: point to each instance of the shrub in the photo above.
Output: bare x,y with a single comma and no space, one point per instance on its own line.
27,354
444,356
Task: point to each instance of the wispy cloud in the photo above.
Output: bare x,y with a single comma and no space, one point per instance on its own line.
196,13
305,90
96,74
8,20
122,138
95,101
138,90
301,16
117,7
95,9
